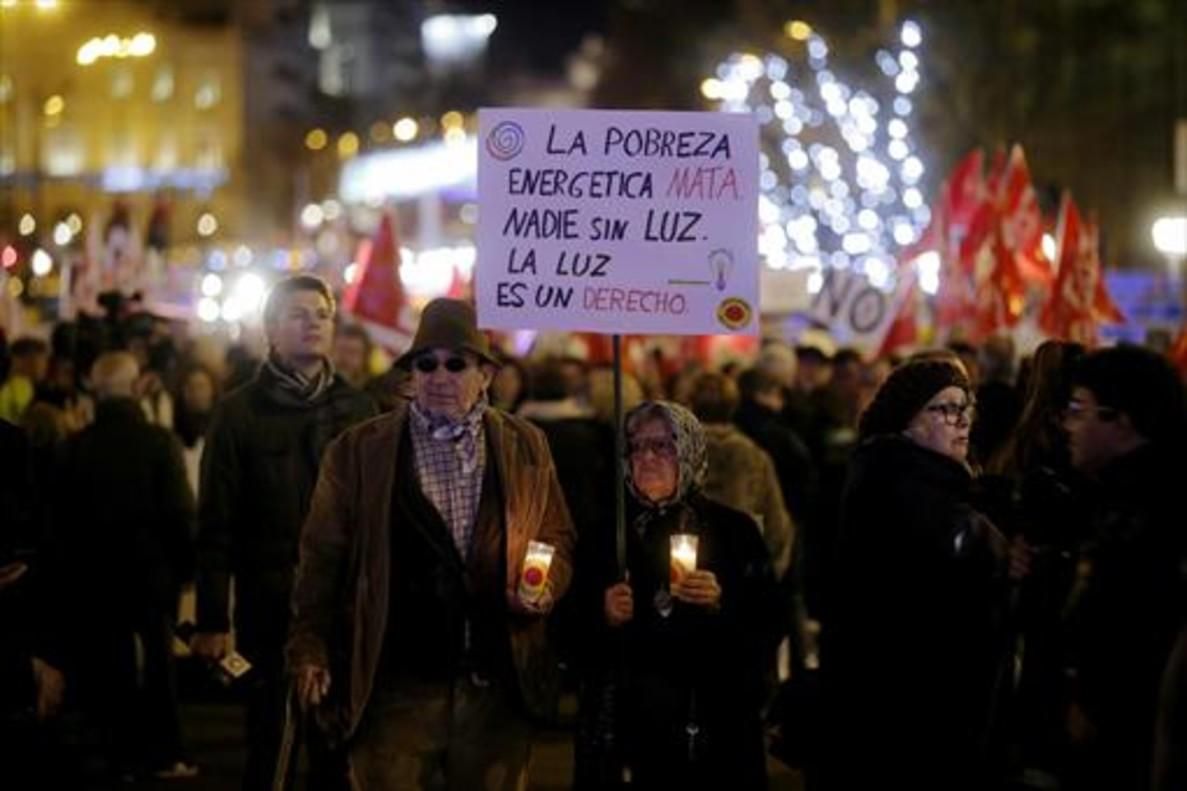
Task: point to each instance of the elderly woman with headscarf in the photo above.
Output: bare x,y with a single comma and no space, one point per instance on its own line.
693,640
911,642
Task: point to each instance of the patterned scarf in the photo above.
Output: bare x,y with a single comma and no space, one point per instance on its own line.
464,432
295,384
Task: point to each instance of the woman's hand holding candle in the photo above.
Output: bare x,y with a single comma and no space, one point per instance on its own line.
698,587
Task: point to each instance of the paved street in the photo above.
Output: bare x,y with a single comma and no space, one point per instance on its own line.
213,732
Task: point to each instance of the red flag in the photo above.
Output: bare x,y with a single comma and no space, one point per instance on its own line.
376,297
966,190
904,331
1178,351
997,169
1022,221
458,287
1001,294
1103,306
955,301
1079,298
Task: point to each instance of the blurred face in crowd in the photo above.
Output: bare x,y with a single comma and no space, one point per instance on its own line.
350,357
1097,434
198,392
846,380
448,382
655,469
872,378
34,366
771,398
943,424
812,373
506,387
303,329
61,374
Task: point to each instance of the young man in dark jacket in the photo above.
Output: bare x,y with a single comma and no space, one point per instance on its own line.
263,450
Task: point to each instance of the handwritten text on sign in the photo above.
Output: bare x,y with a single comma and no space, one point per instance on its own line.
617,222
856,313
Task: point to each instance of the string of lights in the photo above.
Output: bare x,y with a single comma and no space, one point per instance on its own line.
840,178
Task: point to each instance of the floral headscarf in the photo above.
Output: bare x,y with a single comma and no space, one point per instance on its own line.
689,437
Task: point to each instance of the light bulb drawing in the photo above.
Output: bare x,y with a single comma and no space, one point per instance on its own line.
721,265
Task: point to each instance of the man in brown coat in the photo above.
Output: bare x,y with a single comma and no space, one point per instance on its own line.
411,638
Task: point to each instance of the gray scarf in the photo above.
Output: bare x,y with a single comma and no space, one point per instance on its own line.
293,383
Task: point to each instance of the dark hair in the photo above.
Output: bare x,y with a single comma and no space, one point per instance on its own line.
28,347
714,398
812,353
1038,437
188,425
755,381
1138,383
291,285
962,348
548,381
358,332
846,355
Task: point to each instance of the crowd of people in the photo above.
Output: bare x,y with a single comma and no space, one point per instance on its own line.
965,569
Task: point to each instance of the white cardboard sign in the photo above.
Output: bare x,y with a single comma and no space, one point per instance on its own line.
617,221
855,312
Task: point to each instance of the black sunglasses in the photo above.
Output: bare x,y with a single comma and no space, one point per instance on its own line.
428,364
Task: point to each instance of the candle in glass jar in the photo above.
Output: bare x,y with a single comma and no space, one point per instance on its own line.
684,555
534,579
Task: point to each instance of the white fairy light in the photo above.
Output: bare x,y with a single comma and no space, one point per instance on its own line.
910,34
849,194
877,271
928,268
887,63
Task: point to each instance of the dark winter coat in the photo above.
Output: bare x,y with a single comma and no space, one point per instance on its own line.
1129,609
793,460
692,666
911,642
124,524
259,466
342,598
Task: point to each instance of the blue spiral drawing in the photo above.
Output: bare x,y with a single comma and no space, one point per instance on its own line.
505,141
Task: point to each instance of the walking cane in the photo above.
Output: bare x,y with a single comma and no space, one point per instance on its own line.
288,740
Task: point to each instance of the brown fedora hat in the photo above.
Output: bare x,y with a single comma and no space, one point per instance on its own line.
448,324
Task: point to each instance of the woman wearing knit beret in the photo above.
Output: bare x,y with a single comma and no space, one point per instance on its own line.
911,634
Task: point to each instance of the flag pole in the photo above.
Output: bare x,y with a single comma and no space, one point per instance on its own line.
619,460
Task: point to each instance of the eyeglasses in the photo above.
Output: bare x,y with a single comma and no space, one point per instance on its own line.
429,363
953,413
657,445
1078,410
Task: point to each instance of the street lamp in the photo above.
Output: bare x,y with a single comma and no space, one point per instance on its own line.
1169,234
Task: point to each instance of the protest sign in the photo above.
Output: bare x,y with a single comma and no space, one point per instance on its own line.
617,222
856,312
